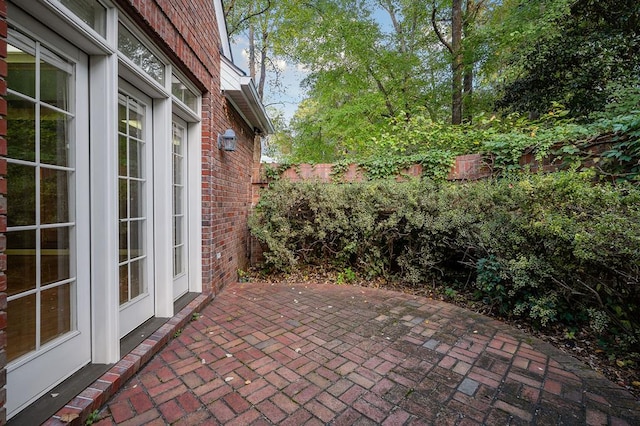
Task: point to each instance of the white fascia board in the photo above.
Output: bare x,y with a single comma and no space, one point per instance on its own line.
241,91
222,29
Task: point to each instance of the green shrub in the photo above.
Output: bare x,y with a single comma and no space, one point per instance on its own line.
548,248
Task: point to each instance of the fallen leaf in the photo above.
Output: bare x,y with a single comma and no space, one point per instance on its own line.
247,382
620,363
69,417
636,384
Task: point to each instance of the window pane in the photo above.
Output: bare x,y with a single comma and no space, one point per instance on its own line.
177,230
136,199
178,136
186,96
21,195
54,196
21,326
54,136
54,86
124,284
177,200
135,158
21,128
90,12
131,47
124,242
136,117
21,75
55,313
122,156
136,244
137,278
177,169
177,261
122,198
21,261
55,259
122,115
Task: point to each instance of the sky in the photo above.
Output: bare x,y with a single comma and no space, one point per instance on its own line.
285,98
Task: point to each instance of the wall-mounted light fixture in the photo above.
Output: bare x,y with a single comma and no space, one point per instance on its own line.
227,140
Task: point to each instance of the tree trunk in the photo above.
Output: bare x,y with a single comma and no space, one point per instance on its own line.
252,51
468,23
263,65
467,94
457,67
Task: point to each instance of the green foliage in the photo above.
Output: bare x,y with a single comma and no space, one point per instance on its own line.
436,165
592,48
347,276
551,248
274,171
92,418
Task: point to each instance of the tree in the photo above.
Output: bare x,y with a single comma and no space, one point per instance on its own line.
592,52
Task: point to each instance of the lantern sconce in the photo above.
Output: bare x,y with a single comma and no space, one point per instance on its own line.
227,140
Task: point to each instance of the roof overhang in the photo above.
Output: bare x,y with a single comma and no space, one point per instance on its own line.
241,91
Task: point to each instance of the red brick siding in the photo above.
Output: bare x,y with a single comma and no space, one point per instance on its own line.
187,32
3,210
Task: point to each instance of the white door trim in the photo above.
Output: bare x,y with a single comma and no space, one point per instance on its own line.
31,376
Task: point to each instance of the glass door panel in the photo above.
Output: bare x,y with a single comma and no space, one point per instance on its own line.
135,210
180,234
48,295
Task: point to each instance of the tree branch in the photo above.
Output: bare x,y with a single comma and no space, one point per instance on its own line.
382,89
437,30
246,18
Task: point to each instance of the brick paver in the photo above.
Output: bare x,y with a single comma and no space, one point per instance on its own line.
324,354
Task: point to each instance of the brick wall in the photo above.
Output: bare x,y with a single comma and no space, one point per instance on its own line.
188,34
3,209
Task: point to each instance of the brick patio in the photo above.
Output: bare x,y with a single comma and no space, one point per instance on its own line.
323,354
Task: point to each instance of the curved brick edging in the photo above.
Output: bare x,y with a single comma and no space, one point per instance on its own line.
97,394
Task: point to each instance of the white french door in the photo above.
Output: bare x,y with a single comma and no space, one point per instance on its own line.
180,209
135,206
48,277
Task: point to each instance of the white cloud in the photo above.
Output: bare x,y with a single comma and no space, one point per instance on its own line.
280,65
